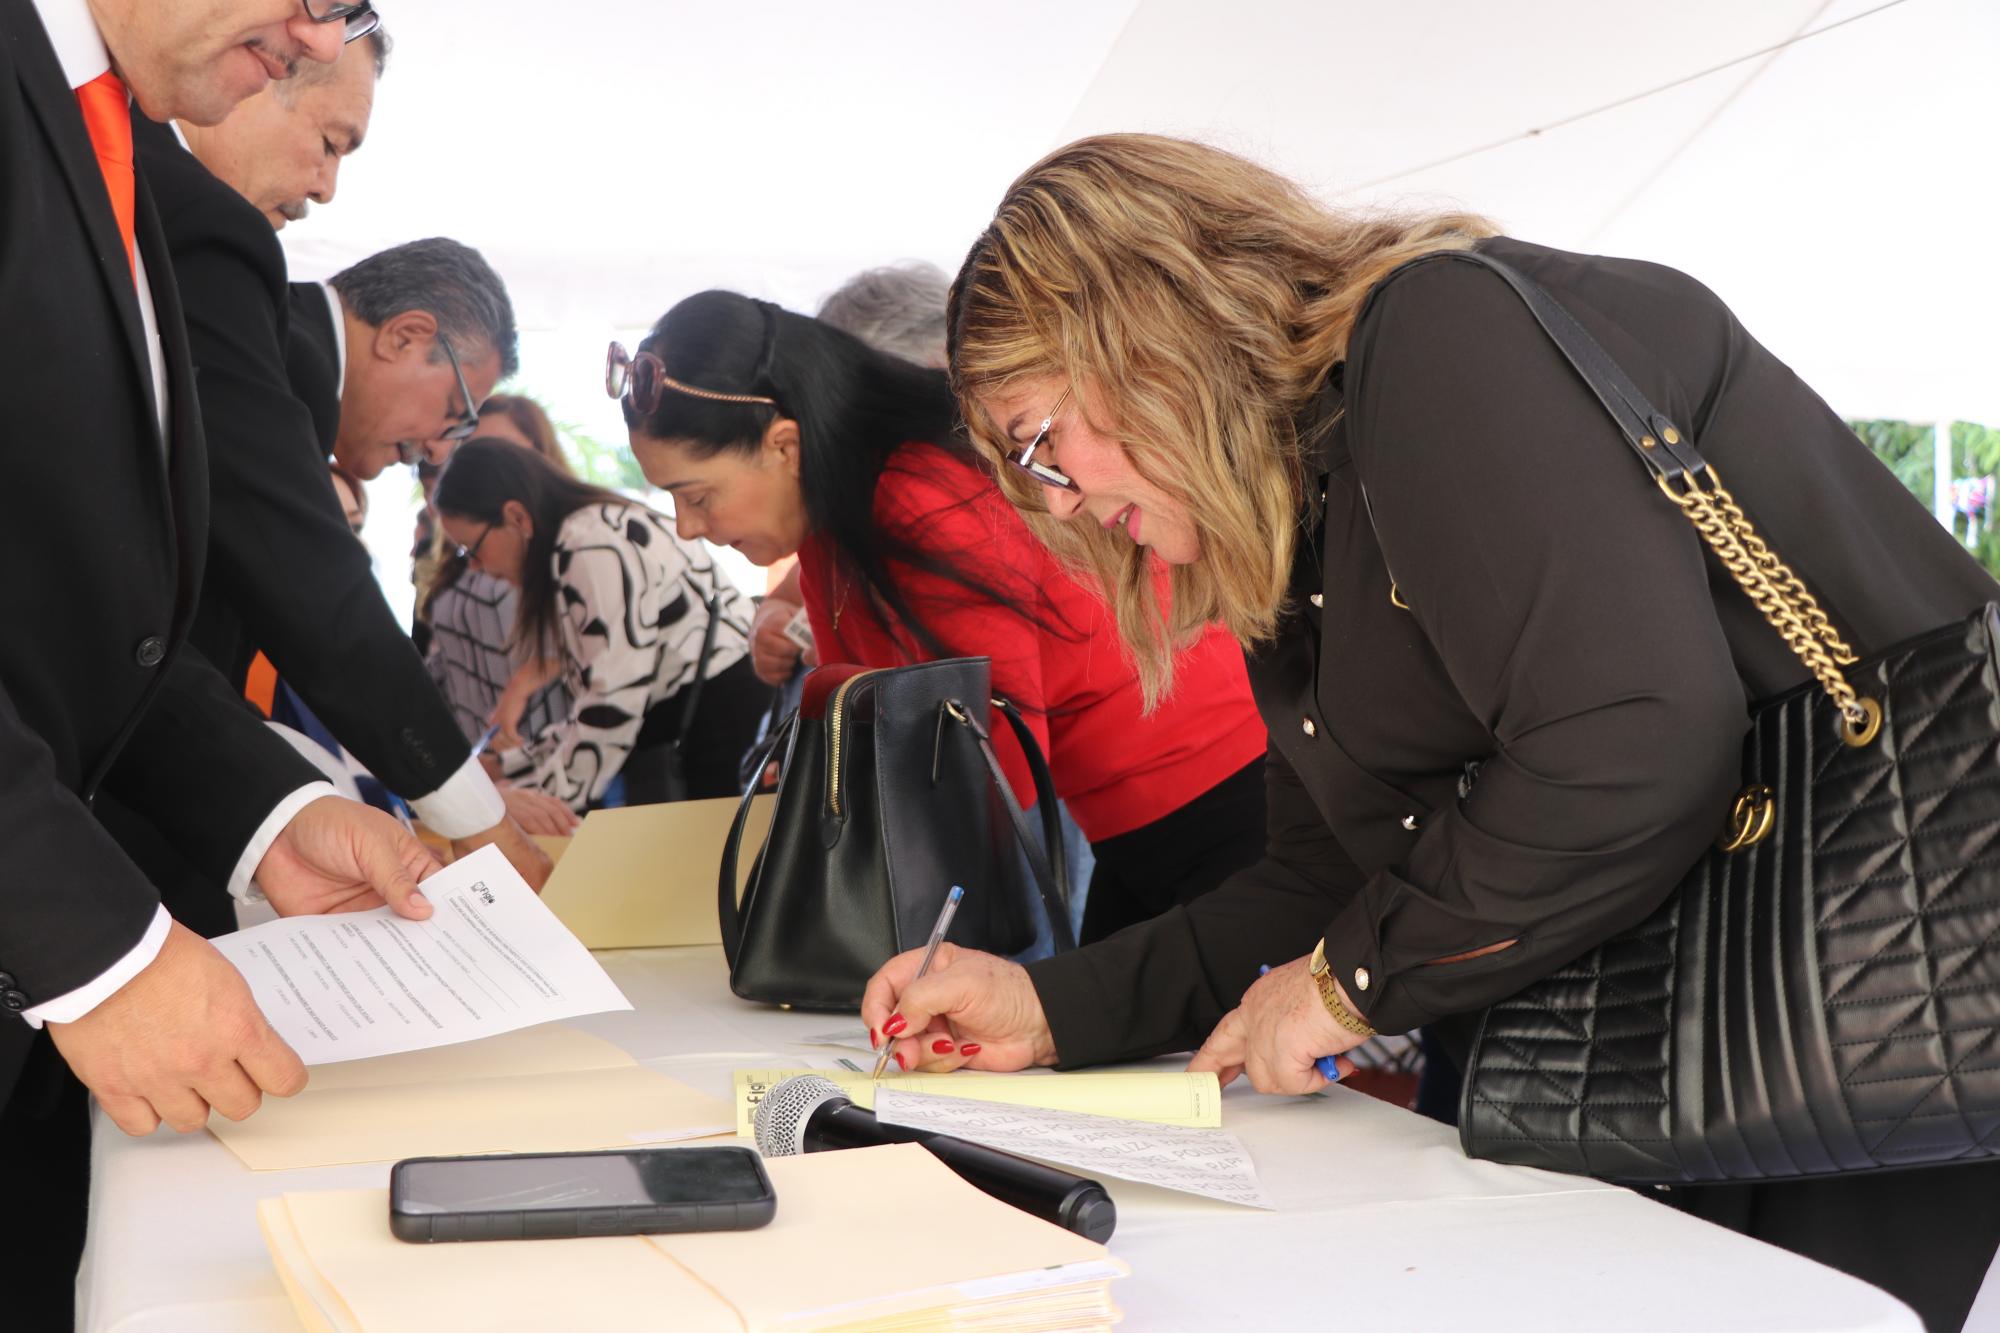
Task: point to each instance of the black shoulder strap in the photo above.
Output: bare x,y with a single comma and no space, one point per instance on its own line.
1665,449
714,605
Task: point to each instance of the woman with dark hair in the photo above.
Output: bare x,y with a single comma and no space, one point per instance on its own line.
777,434
465,619
608,589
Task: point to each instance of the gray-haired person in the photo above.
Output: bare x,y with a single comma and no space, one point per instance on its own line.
898,308
395,354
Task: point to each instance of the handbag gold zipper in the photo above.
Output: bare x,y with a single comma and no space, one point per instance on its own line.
833,738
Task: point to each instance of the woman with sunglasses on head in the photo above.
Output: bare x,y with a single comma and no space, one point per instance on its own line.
1506,685
608,590
777,434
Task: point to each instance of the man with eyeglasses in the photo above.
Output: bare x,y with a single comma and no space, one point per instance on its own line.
98,693
285,577
396,353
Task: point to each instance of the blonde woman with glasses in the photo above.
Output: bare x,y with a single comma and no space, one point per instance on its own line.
1505,691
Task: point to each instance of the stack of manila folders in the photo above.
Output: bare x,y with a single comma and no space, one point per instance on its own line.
873,1238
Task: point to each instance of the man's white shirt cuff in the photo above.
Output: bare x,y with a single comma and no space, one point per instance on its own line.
72,1005
468,803
242,886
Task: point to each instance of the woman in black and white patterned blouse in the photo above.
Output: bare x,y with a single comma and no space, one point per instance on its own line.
621,603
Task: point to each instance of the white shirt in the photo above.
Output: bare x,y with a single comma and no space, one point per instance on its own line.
81,51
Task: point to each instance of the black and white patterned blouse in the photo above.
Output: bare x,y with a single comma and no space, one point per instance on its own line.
632,596
472,655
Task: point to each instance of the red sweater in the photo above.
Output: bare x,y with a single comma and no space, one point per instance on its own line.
1115,768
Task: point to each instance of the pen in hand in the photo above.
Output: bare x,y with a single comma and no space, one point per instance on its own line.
924,965
1327,1065
485,739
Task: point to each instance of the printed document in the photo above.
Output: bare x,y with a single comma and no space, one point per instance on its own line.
490,959
1210,1162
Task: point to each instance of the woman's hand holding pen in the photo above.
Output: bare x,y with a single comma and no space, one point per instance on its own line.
1275,1033
971,1010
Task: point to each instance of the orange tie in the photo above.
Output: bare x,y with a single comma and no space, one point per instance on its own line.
260,687
107,114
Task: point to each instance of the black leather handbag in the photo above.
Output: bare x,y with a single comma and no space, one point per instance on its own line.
889,794
1821,993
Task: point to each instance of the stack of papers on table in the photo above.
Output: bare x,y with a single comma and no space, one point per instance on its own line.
546,1089
644,876
1157,1096
960,1260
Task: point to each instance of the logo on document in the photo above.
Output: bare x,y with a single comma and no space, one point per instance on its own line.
485,894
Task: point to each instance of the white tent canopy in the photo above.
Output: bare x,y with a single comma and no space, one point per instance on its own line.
612,156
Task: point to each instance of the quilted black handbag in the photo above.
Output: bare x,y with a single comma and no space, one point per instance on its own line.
889,794
1821,993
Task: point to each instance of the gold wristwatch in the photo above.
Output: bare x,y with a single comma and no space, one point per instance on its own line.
1322,976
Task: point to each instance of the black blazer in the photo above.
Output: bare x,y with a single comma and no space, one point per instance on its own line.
284,573
104,535
1540,747
312,359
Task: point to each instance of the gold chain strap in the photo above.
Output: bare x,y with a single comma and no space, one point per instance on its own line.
1782,575
1779,595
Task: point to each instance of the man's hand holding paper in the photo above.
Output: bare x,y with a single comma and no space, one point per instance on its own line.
185,1034
489,958
338,855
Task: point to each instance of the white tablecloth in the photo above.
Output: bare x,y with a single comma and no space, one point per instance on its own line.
1381,1222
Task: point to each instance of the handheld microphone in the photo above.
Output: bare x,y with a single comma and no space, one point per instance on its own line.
807,1113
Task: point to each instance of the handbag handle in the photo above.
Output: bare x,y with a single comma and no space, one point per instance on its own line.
1051,871
1687,479
714,606
728,911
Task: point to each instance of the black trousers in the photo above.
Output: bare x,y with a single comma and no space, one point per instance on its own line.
45,1165
732,707
1178,857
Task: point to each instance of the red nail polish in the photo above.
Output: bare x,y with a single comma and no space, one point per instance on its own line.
873,1040
894,1027
902,1062
969,1050
940,1047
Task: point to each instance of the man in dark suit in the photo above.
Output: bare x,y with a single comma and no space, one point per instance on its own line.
285,576
97,691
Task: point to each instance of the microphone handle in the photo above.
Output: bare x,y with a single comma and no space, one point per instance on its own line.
1072,1202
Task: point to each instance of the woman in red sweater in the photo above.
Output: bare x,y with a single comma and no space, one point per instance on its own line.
777,434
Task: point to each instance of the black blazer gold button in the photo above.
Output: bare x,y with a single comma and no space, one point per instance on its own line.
152,650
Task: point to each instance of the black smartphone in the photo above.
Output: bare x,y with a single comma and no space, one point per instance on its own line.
529,1196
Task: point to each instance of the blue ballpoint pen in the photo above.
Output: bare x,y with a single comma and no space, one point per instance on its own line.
1328,1067
485,739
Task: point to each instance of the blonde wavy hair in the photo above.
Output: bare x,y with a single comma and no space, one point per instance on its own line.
1195,302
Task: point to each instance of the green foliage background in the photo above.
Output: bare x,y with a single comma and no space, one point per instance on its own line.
1908,451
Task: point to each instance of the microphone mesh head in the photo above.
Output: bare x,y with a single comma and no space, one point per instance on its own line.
781,1117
